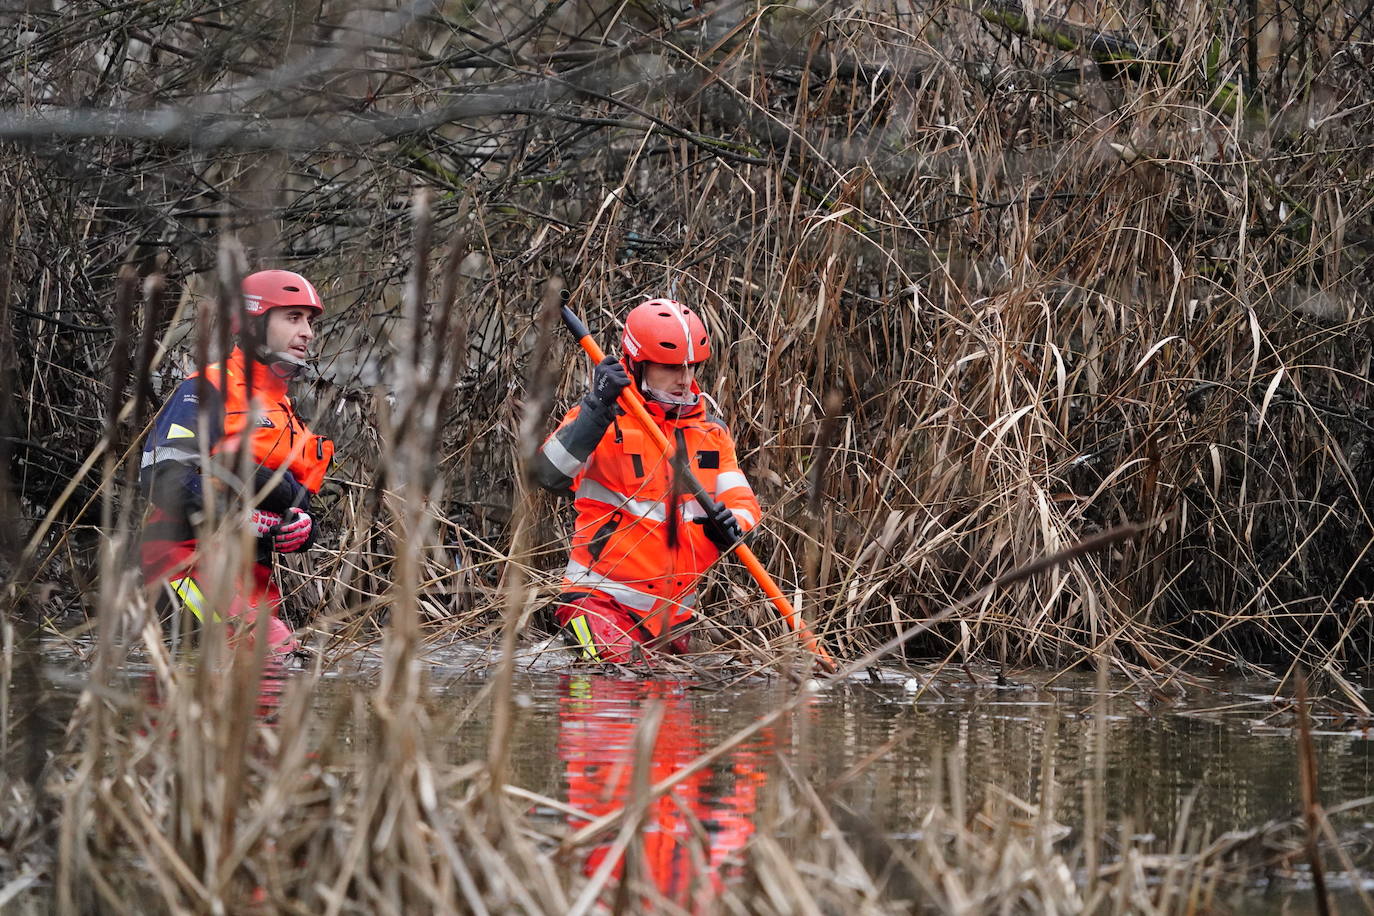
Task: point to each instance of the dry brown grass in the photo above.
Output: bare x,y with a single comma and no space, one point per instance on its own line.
175,794
1038,298
1043,305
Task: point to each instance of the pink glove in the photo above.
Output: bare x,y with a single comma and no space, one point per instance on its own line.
261,523
292,534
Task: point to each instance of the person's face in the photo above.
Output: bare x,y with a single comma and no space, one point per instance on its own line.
289,331
673,380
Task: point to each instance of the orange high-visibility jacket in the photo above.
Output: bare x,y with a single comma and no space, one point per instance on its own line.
622,494
278,439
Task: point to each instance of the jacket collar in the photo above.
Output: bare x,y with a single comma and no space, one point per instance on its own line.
266,380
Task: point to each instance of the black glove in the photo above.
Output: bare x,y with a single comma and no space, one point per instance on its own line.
285,495
721,527
608,380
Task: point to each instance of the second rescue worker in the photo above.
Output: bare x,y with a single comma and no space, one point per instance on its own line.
633,570
211,411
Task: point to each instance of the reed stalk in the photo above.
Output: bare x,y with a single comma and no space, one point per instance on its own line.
977,301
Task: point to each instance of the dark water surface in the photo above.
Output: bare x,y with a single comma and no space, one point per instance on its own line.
1224,748
1221,757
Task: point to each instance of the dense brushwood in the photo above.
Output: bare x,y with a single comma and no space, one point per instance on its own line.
983,282
1055,276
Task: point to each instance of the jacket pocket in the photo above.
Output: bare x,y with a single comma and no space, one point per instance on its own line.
633,448
603,535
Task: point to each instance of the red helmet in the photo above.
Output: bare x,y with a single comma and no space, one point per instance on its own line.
664,331
274,289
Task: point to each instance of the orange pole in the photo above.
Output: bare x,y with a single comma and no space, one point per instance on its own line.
633,402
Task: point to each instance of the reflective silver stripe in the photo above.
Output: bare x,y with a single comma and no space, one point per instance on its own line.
692,510
584,637
729,480
644,508
190,594
167,453
561,458
626,594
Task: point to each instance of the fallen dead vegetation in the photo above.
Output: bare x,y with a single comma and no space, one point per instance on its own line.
1046,281
1013,278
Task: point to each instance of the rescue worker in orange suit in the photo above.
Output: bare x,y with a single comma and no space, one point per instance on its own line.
640,545
211,411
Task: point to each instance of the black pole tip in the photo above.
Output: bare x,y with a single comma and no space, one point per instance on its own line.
574,323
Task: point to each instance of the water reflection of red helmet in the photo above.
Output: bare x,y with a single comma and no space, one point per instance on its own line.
664,331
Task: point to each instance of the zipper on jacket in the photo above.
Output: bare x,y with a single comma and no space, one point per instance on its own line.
290,424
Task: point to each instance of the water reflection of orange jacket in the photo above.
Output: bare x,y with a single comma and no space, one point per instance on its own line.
598,717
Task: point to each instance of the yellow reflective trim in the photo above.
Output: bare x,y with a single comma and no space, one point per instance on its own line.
177,431
191,596
584,637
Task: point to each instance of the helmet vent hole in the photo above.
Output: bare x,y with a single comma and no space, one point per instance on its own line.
665,315
292,289
666,344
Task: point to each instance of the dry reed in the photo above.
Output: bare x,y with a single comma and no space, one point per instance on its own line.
1043,301
1008,289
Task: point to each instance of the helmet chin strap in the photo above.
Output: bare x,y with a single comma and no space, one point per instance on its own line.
667,400
288,366
662,397
671,400
283,365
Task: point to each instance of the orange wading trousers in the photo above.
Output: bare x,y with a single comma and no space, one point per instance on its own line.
607,631
172,565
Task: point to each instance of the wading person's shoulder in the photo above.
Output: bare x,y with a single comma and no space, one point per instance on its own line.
714,424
